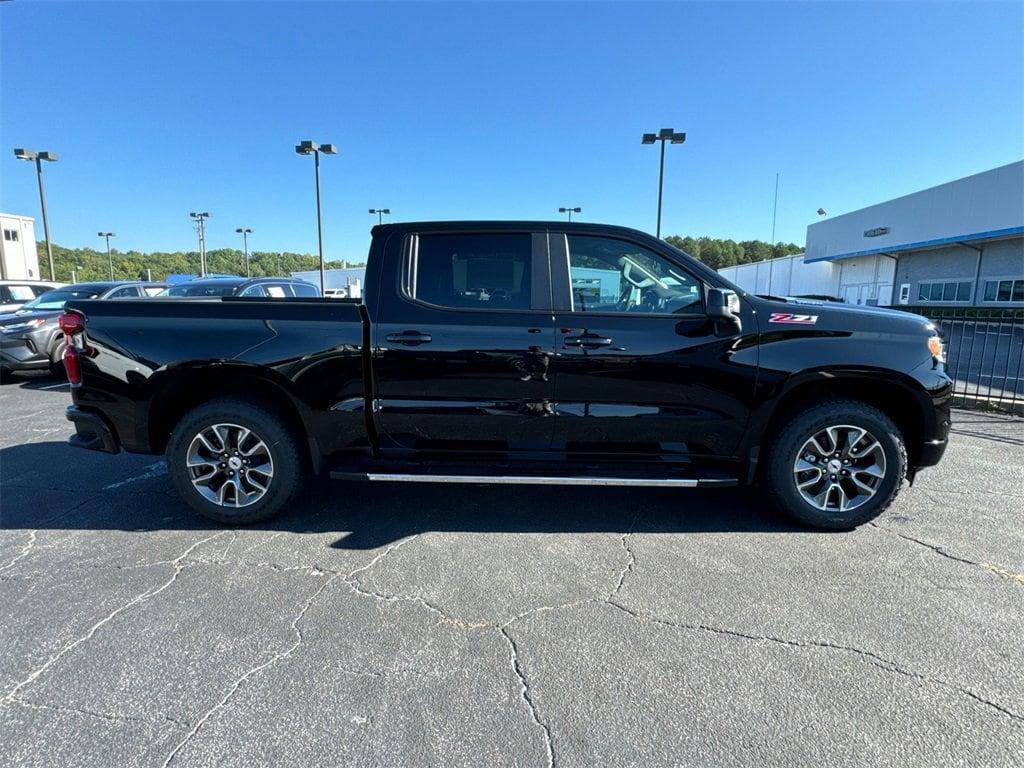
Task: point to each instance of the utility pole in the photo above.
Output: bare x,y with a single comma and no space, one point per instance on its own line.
771,253
200,219
110,257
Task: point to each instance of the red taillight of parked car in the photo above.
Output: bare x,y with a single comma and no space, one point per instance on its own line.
71,323
72,365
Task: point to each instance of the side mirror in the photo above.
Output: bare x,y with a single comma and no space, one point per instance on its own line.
724,306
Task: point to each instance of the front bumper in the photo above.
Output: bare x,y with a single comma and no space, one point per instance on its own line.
930,453
18,353
92,431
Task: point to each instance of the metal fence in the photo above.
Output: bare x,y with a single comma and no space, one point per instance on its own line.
984,354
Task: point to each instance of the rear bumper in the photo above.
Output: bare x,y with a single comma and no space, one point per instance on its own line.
92,431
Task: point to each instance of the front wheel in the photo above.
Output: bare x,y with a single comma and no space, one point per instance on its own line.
57,362
836,465
235,462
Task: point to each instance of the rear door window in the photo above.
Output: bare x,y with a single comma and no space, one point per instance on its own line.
490,271
130,292
305,290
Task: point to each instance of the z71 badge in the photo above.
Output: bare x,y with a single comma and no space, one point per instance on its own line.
786,317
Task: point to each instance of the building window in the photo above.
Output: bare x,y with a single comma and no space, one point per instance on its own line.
953,291
11,235
1004,290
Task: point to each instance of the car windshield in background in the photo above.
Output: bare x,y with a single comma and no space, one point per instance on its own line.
56,299
199,291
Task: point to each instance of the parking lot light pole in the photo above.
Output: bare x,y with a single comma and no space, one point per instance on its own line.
570,211
200,219
38,157
110,257
664,135
245,232
308,147
381,213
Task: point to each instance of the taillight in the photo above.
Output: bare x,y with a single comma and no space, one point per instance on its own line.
71,323
72,364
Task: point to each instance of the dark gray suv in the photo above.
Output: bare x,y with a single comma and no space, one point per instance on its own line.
30,338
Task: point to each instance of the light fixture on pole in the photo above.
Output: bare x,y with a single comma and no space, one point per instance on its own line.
822,212
245,232
38,157
381,212
110,257
570,211
308,147
665,135
200,219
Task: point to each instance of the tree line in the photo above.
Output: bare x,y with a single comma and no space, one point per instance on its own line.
90,264
728,253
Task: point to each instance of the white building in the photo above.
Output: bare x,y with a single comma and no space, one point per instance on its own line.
19,260
350,278
957,244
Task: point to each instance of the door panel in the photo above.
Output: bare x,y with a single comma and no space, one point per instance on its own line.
463,350
648,374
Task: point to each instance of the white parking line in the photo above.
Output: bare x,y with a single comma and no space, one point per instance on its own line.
55,386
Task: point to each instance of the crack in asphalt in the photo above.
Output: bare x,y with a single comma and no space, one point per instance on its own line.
299,637
933,547
179,566
353,583
873,658
939,550
524,691
24,551
44,706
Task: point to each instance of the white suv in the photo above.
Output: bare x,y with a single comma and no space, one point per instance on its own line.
14,293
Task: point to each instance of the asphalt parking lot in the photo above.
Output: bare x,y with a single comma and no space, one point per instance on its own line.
403,625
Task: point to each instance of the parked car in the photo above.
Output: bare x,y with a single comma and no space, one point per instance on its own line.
257,287
30,338
15,293
490,352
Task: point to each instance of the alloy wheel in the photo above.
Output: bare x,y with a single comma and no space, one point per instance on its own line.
839,468
229,465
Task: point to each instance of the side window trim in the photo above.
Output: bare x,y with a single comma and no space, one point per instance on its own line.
540,285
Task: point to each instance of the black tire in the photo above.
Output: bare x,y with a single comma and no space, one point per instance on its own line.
57,361
780,482
289,468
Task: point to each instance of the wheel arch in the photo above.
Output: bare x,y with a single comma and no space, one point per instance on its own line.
896,395
181,390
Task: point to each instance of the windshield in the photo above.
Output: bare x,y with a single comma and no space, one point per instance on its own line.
55,299
198,290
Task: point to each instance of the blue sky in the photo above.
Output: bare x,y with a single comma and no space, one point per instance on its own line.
494,111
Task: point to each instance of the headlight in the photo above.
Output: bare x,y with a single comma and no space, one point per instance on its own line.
26,326
935,347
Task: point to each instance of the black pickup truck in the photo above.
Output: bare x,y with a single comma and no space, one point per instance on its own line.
516,352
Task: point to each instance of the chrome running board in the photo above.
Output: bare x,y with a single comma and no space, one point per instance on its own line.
644,482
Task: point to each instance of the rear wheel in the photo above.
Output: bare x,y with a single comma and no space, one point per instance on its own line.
235,462
836,465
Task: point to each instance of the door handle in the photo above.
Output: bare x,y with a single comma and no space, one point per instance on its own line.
588,341
410,338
